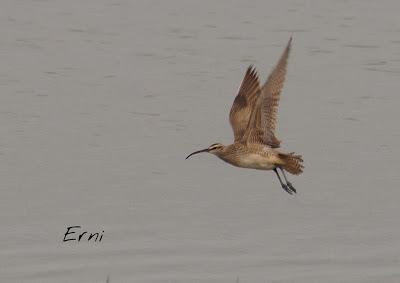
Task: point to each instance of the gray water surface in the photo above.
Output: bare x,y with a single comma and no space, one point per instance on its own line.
102,100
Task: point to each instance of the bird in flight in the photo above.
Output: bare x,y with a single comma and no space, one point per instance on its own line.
253,118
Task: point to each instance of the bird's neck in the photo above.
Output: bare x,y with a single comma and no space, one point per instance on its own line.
224,154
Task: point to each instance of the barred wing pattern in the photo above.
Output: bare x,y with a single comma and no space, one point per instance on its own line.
244,102
262,124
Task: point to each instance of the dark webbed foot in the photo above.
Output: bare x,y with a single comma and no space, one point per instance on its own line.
288,189
291,187
288,184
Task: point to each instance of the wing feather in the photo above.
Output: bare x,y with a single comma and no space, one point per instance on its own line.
244,103
263,120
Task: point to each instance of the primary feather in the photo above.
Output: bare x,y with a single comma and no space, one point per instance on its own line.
263,118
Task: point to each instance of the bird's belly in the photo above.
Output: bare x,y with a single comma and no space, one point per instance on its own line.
256,161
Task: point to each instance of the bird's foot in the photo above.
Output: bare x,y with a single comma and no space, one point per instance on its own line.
288,189
291,187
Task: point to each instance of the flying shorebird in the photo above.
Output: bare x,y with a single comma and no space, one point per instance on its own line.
253,120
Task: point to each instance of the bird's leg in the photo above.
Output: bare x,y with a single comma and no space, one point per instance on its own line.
285,187
287,182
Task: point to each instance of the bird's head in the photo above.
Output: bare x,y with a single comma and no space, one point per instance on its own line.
215,149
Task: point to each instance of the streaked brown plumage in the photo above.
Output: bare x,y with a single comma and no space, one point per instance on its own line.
253,118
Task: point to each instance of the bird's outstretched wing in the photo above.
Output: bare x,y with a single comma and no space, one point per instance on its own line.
263,119
244,103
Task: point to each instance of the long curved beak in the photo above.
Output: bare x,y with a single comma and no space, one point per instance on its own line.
196,152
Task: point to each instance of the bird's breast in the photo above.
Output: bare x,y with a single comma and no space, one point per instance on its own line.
253,160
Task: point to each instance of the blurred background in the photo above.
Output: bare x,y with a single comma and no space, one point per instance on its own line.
102,100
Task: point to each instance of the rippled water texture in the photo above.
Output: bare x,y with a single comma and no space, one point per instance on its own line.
100,102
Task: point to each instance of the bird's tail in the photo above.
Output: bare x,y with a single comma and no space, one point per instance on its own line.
292,163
